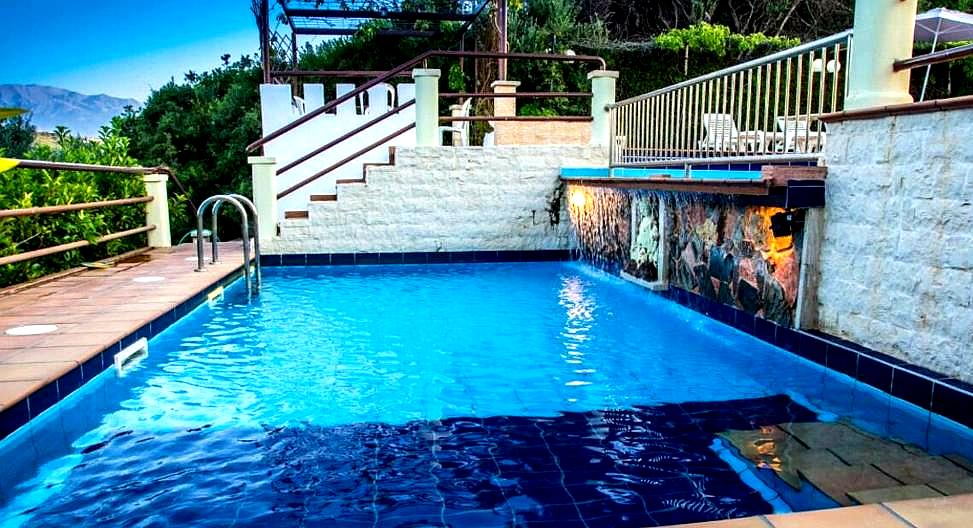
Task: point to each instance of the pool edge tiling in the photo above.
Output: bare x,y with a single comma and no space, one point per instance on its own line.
97,313
924,388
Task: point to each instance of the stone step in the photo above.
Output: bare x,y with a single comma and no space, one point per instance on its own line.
896,493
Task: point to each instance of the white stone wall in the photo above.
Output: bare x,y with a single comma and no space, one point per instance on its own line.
896,268
445,199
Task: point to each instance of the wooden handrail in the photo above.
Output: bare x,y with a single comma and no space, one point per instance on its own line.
11,259
363,150
55,209
85,167
935,57
344,137
566,119
409,64
517,95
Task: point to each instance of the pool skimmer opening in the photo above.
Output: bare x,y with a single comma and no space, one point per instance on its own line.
131,356
29,330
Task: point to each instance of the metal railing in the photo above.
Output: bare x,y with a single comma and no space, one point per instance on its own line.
766,109
67,208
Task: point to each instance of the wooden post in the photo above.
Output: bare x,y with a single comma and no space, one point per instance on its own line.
264,27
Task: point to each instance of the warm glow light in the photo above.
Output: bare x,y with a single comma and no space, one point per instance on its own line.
578,199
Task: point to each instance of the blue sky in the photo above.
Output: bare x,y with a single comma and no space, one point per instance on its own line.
122,48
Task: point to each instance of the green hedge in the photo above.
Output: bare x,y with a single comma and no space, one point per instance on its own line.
22,188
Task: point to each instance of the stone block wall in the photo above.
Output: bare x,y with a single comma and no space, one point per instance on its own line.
896,265
541,133
446,199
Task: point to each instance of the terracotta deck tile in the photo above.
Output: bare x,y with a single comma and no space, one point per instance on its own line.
94,309
870,516
13,391
79,354
47,371
945,512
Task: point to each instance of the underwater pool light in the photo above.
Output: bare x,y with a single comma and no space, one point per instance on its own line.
578,199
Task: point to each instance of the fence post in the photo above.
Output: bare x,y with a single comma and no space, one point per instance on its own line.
883,35
504,106
157,211
427,106
264,174
602,94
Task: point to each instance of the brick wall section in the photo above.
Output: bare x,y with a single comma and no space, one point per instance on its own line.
896,264
542,133
445,199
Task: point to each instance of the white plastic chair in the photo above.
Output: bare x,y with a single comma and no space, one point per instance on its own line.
299,106
798,136
347,107
381,99
723,135
463,128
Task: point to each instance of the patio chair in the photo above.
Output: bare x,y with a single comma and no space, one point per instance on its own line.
723,135
462,128
348,107
381,99
299,105
798,136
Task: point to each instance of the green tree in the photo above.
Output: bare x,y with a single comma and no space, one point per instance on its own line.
16,136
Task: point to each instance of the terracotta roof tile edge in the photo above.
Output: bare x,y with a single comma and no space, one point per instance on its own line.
924,107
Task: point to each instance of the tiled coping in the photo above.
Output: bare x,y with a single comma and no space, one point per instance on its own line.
939,512
922,387
419,257
98,313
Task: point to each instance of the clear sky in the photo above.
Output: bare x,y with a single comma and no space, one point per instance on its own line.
122,48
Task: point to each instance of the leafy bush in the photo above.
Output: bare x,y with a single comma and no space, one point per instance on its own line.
16,136
22,188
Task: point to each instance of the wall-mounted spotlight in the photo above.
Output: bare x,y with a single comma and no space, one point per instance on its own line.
786,223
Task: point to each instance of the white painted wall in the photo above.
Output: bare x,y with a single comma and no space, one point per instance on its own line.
896,268
277,109
445,199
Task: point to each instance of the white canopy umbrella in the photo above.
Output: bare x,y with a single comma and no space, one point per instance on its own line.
942,25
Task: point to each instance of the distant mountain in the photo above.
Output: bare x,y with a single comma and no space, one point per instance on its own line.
50,107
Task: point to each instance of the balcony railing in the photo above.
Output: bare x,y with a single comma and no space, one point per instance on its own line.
764,110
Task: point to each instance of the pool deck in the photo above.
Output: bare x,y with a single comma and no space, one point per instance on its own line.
941,512
93,309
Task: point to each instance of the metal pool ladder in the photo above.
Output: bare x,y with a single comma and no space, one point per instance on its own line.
242,204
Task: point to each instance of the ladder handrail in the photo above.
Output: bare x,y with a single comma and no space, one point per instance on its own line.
244,227
256,230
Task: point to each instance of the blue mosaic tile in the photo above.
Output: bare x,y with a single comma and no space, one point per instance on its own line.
461,257
42,400
92,367
420,257
875,373
842,360
391,258
438,257
367,258
953,404
912,388
318,259
342,259
293,260
812,348
13,417
69,382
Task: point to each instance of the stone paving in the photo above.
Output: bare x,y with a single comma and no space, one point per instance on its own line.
93,309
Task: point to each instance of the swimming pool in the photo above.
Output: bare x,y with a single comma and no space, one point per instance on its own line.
541,394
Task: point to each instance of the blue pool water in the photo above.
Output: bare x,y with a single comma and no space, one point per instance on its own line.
534,394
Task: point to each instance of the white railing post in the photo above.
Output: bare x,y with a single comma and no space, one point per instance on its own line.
157,211
883,35
427,106
602,95
264,174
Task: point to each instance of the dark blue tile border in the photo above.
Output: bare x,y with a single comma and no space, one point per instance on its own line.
17,415
920,386
416,257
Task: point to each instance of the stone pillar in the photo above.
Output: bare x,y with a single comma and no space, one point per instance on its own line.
456,110
883,34
602,94
264,174
427,106
504,106
157,211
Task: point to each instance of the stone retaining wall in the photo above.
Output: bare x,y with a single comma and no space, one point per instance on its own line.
896,266
446,199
